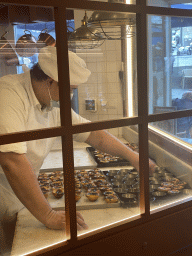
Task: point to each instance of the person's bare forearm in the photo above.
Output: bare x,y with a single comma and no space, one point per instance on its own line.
24,183
108,143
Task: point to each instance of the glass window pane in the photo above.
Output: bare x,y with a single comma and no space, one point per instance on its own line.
169,58
174,4
171,182
39,186
27,85
24,106
110,91
103,176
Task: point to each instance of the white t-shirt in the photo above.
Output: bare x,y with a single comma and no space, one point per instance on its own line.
21,111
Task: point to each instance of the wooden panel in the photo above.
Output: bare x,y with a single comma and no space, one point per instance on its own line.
187,251
29,14
4,15
19,14
160,238
40,14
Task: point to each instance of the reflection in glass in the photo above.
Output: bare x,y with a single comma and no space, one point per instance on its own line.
182,5
170,184
85,37
107,186
39,186
110,24
110,91
169,45
24,106
22,98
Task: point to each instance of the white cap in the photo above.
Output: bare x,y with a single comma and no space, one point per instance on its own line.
78,71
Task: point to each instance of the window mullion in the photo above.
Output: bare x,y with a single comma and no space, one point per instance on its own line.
65,112
143,111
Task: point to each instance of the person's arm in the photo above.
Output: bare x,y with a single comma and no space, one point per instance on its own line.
23,181
108,143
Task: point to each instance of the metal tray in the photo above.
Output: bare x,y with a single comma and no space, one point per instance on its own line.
119,162
83,203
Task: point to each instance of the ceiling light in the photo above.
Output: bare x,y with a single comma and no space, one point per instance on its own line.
85,37
111,24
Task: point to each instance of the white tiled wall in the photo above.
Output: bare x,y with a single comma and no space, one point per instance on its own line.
104,83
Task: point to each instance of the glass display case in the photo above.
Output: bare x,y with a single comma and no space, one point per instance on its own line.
118,166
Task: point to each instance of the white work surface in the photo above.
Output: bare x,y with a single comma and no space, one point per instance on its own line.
81,158
31,235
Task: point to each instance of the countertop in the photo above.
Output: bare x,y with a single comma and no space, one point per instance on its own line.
81,159
31,235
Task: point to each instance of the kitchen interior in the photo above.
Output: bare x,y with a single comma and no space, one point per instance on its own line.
109,94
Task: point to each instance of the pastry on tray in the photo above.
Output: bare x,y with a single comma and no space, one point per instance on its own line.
111,199
94,190
164,189
90,185
78,191
173,192
58,192
57,184
109,193
46,194
41,178
92,196
77,197
45,191
44,183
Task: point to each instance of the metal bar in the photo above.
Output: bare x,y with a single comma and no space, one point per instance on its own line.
31,135
171,115
80,128
141,27
65,112
59,131
93,5
94,126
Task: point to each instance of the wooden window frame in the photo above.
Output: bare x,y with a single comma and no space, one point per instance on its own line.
67,130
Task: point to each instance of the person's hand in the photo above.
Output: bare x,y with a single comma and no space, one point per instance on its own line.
81,225
57,220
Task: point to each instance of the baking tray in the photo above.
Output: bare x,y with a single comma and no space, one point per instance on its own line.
119,162
154,199
54,161
82,204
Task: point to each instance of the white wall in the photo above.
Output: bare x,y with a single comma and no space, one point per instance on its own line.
104,83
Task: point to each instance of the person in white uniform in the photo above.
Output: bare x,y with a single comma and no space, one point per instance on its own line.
30,101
